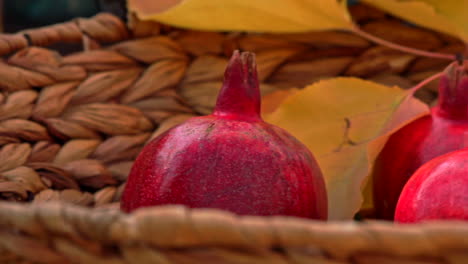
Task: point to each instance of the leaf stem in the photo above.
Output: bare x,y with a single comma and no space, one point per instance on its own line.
392,45
425,81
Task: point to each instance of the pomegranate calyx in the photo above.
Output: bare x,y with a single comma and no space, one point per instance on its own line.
453,92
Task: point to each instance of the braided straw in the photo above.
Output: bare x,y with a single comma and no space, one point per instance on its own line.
103,28
175,234
72,124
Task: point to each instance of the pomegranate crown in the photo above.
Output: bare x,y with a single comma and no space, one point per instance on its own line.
453,91
239,97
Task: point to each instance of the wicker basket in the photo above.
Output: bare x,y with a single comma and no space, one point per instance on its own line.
72,123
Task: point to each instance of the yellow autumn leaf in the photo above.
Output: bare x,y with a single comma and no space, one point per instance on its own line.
246,15
345,122
447,16
455,11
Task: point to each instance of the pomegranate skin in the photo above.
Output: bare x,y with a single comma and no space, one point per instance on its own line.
437,190
230,160
207,163
443,131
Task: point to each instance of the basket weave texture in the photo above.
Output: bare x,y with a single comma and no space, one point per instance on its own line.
72,124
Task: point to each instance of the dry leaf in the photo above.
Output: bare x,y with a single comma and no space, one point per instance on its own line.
448,16
338,120
244,15
455,12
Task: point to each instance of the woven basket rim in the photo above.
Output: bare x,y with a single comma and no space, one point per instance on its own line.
171,226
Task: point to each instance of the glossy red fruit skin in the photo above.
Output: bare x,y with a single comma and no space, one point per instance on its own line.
443,131
437,190
208,163
230,160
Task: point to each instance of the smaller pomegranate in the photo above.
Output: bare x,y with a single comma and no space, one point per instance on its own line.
230,160
437,190
443,131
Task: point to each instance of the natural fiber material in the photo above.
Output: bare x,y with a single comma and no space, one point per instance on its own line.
55,233
72,124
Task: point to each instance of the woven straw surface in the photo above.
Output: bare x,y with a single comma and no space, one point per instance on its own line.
58,233
71,125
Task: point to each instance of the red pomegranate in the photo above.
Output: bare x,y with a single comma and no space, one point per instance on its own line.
230,160
437,190
443,131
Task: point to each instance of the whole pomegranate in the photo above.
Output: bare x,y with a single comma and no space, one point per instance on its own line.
437,190
443,131
230,160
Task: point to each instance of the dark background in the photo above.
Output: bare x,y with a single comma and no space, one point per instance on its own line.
25,14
